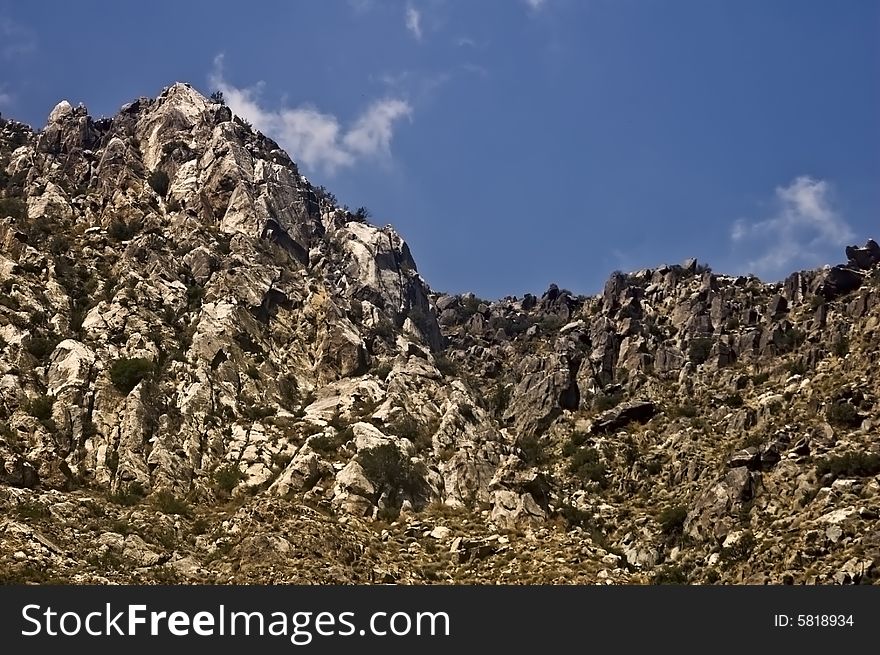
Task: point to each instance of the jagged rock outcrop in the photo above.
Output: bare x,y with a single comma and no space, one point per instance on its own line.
213,370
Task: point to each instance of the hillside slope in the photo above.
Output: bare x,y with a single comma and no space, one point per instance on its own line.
213,373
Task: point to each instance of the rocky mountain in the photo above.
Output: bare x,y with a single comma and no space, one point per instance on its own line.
211,372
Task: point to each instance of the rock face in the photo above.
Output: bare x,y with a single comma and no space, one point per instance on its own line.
209,370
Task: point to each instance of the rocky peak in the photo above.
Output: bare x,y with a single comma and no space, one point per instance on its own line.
191,331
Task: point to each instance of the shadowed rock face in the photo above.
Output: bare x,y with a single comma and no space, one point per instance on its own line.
209,370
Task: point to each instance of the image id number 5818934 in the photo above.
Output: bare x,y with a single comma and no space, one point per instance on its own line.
813,620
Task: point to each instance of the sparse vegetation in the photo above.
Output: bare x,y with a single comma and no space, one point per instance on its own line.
672,520
128,495
445,365
390,470
42,347
671,574
29,509
603,402
40,408
734,400
158,181
123,231
382,370
227,477
167,503
531,449
686,410
844,415
126,374
587,464
740,550
852,464
841,347
797,367
699,350
14,207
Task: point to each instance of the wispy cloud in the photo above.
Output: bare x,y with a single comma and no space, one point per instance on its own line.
15,39
475,69
315,139
535,5
804,230
414,22
5,99
360,6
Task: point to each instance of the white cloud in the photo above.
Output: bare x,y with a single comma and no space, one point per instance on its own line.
5,98
360,6
414,22
803,231
372,132
475,69
535,5
314,139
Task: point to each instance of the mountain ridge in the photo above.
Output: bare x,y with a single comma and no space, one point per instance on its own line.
216,370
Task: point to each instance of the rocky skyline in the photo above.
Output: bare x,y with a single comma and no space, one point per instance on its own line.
211,372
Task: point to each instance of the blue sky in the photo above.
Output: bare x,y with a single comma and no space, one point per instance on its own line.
516,143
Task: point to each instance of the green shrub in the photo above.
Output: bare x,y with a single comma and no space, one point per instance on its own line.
603,402
842,414
654,466
733,400
699,350
854,464
10,301
27,509
686,410
159,181
577,439
383,329
575,517
194,296
41,409
587,464
500,398
741,550
217,98
200,526
128,495
390,470
228,476
14,207
445,365
382,370
470,305
532,450
551,323
670,574
672,520
42,347
841,347
123,231
792,338
760,378
797,367
126,374
167,503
